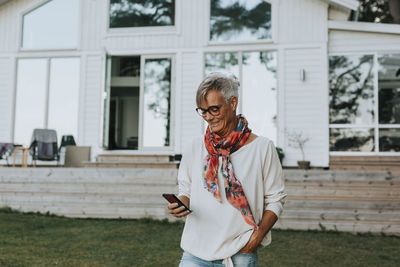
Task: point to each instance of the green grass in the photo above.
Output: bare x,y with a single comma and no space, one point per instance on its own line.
39,240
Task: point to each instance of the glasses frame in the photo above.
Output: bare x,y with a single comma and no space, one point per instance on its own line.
203,112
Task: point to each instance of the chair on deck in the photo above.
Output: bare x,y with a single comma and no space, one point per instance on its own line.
44,146
66,140
6,150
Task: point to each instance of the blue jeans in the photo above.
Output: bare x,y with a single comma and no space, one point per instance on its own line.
239,260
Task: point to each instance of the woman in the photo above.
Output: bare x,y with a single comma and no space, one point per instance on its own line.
232,181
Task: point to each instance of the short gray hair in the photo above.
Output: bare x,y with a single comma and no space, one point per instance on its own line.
226,83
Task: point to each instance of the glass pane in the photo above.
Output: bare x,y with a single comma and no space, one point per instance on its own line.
259,97
52,25
352,140
389,140
389,89
223,62
351,89
31,99
240,20
64,96
124,103
157,102
137,13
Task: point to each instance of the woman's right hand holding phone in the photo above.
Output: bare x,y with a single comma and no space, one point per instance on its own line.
179,211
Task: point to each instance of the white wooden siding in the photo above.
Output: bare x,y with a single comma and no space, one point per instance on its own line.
6,96
302,21
306,104
93,26
93,91
9,16
192,70
352,41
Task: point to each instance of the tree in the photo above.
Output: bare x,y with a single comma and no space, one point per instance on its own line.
229,20
134,13
375,11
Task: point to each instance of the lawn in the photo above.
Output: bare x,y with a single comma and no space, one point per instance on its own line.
39,240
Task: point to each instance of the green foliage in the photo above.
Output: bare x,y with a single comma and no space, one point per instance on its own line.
135,13
281,154
374,11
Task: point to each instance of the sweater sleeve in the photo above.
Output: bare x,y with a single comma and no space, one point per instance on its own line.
274,188
184,173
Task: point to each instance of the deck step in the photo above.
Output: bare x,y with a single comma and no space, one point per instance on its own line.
388,163
123,158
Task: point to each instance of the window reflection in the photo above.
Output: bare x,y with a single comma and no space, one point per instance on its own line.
222,62
351,89
138,13
31,99
351,140
389,89
389,140
52,25
64,96
157,102
240,20
259,97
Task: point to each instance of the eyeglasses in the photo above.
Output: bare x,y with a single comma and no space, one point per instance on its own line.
213,110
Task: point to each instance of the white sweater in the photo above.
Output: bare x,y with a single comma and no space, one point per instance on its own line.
216,230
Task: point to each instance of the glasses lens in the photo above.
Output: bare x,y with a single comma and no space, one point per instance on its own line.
214,110
200,111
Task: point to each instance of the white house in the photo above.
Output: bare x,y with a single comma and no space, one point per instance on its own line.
121,75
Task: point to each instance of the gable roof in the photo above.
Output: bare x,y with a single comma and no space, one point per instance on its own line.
350,4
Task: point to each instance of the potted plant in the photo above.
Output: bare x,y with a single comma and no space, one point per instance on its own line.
297,140
281,154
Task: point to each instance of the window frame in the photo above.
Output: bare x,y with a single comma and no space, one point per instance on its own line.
279,87
21,30
376,125
105,112
274,27
48,59
144,30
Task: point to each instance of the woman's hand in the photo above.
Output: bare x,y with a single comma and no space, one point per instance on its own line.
252,244
179,211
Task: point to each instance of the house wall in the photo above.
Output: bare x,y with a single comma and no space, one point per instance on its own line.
300,38
341,41
6,96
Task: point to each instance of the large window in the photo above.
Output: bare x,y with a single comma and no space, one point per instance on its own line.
365,103
240,20
140,13
138,103
53,25
258,96
47,97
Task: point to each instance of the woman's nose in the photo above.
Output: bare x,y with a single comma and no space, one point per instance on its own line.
207,116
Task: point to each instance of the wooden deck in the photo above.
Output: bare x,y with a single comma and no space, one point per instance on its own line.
342,200
354,201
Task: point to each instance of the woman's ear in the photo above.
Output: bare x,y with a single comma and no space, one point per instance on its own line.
233,103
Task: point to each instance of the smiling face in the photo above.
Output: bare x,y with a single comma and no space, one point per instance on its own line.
223,123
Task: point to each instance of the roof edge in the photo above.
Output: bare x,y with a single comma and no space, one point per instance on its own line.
349,4
364,26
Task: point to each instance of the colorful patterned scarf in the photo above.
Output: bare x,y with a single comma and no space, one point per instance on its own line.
216,146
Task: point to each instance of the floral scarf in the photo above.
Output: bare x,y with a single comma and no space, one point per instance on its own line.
216,146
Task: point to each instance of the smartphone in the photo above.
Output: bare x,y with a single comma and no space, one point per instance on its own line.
174,199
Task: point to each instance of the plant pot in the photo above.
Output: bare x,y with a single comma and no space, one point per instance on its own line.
303,164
